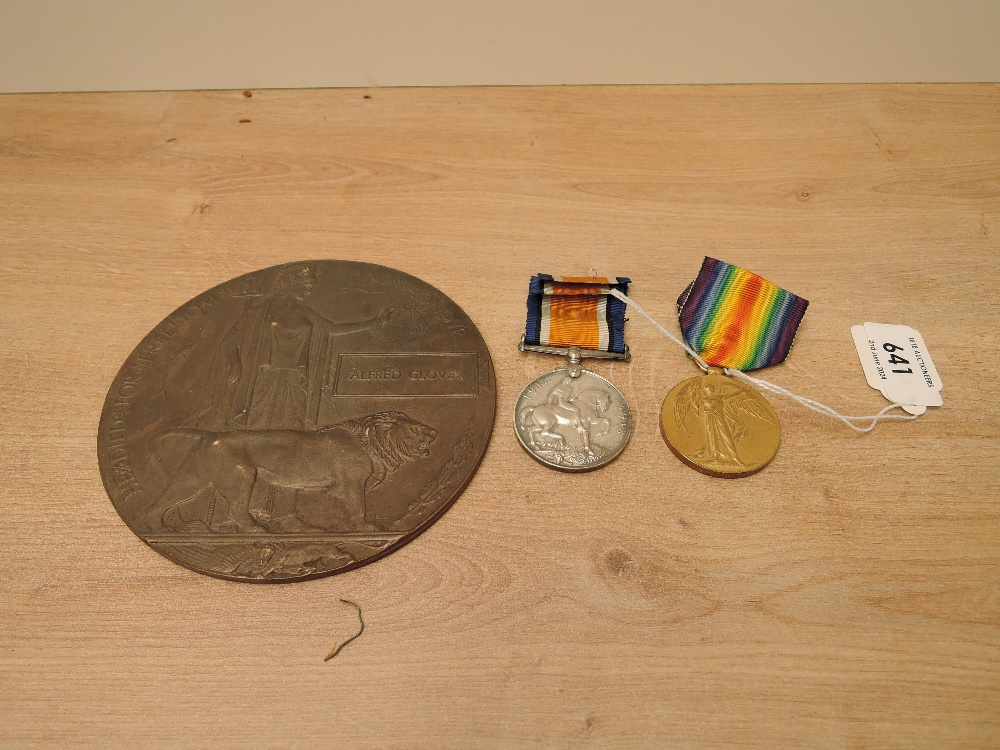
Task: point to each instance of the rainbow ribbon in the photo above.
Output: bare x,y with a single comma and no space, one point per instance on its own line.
734,318
565,311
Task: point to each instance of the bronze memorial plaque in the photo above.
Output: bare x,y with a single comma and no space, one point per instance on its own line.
297,421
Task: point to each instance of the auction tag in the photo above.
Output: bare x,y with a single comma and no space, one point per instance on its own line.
868,355
896,362
864,347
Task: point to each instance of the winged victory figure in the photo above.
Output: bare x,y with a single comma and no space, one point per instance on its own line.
721,409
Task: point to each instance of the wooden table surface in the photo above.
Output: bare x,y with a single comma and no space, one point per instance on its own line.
846,596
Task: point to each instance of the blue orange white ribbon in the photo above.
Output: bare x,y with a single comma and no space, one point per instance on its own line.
578,311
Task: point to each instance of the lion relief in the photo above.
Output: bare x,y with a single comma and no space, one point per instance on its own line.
328,471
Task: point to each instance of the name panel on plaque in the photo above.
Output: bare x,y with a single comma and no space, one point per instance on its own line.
411,374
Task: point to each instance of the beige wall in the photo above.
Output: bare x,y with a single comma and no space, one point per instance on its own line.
46,45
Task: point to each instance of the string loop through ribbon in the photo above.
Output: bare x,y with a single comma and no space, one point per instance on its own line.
808,403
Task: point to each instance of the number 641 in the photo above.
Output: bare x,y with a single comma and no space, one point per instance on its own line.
895,358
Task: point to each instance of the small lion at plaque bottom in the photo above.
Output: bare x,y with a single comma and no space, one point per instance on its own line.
344,461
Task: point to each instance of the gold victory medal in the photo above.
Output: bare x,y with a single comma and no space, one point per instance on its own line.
719,426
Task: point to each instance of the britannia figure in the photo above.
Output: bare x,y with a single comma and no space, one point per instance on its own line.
273,361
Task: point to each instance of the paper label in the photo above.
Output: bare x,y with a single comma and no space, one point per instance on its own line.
896,362
864,354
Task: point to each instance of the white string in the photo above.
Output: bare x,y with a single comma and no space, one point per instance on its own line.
808,403
635,306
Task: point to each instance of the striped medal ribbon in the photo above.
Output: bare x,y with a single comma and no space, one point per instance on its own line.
735,320
573,419
568,311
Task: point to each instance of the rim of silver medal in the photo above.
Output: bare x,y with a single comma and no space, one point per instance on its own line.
572,419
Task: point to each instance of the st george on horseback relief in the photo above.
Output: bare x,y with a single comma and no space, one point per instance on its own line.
572,422
580,413
244,428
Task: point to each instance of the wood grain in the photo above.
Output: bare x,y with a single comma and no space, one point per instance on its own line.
847,596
